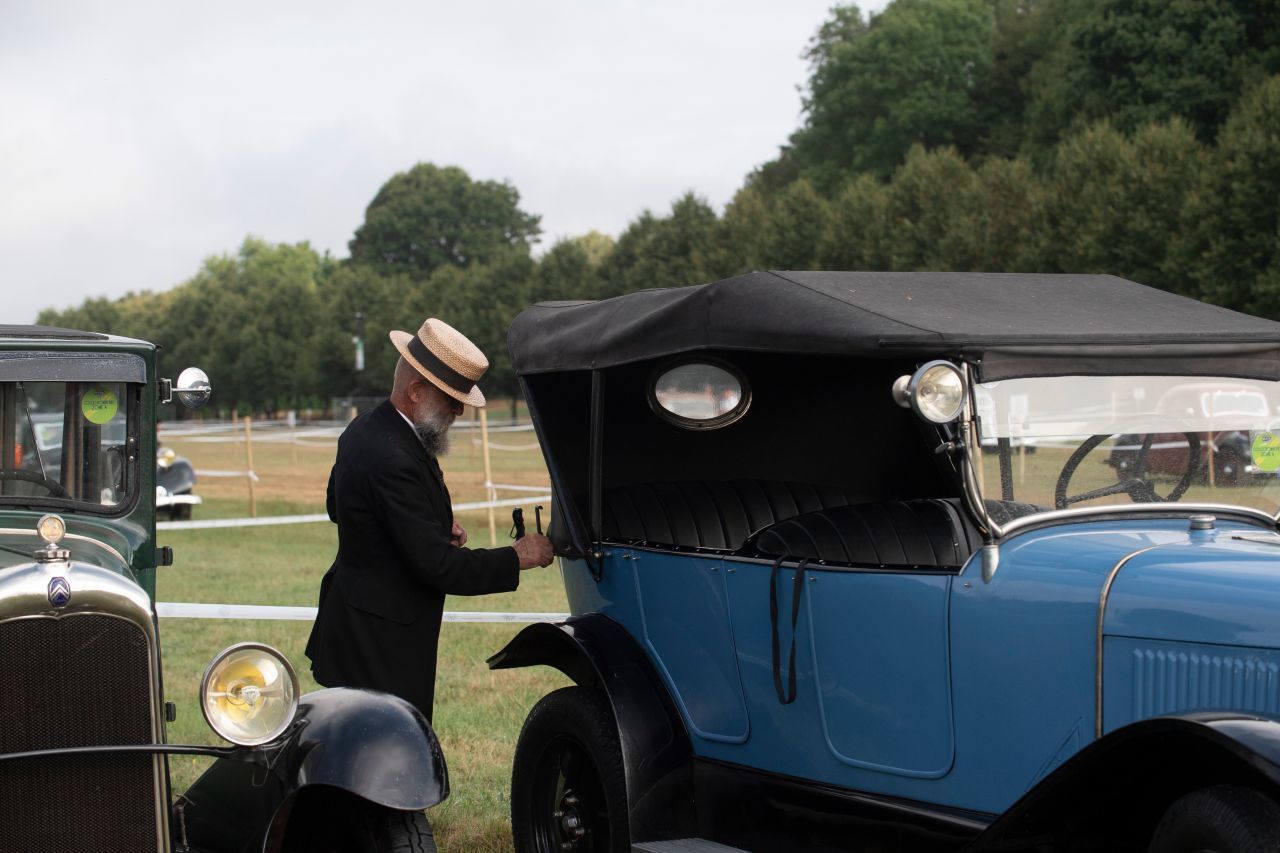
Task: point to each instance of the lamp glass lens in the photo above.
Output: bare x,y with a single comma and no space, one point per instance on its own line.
51,528
249,696
940,394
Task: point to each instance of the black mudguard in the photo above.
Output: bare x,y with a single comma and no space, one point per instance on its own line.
371,745
1119,786
595,651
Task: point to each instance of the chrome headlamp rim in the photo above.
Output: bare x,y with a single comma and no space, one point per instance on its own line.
286,719
51,528
906,391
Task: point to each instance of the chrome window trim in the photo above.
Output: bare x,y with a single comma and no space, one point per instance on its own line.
1175,509
720,421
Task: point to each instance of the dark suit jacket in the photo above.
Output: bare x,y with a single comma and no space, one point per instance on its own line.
381,601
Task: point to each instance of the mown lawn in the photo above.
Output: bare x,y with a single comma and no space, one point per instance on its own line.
478,712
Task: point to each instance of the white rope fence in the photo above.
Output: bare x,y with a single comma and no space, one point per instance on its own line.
268,521
188,610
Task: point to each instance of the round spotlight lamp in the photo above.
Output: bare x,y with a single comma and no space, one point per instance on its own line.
935,392
51,528
249,694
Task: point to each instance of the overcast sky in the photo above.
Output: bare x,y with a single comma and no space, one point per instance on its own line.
138,138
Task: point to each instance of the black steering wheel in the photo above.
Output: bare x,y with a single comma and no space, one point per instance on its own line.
1132,479
55,488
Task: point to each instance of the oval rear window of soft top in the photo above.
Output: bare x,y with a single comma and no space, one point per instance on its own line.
699,393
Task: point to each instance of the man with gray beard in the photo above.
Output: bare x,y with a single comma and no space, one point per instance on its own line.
400,551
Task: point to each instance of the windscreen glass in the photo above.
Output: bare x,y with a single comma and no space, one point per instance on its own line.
67,442
1063,442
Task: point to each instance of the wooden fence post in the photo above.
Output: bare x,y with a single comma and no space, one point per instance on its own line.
249,473
489,491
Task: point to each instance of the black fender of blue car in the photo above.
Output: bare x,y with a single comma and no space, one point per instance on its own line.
596,652
1118,787
371,746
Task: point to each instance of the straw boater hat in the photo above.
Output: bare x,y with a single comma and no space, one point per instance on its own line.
446,358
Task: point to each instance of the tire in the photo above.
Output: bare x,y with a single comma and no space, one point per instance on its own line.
401,832
1221,819
338,824
568,786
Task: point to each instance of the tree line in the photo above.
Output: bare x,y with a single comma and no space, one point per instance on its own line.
1133,137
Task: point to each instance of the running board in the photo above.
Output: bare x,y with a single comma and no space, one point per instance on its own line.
683,845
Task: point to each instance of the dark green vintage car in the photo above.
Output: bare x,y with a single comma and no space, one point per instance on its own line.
83,751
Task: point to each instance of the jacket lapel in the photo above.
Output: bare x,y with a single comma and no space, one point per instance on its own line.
433,477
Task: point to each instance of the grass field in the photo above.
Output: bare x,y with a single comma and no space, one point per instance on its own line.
478,712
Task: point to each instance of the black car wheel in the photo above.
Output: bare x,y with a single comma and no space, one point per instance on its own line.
568,787
1221,819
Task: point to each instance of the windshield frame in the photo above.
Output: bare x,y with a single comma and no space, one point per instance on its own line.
976,499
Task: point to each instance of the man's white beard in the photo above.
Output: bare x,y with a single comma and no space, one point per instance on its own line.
433,432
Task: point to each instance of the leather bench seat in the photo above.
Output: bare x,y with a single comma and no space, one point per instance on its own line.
715,515
921,534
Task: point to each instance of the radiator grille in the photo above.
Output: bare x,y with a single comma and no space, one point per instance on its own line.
1167,682
83,680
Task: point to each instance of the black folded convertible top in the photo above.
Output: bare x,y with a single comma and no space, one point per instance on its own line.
1007,324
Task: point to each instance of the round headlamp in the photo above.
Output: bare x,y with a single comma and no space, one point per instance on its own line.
51,528
249,694
935,392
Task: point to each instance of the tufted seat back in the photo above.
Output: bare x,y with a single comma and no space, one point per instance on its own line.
922,534
715,515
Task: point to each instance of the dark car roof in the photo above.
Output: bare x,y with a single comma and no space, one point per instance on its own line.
1008,324
47,332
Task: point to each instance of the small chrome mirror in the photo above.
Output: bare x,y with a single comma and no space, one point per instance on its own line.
193,388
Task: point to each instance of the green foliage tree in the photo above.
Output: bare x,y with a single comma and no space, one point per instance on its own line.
1111,203
908,76
481,301
382,303
430,217
1230,242
663,252
925,209
250,321
571,268
857,233
1137,62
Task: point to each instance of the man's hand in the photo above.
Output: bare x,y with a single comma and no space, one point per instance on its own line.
534,550
458,536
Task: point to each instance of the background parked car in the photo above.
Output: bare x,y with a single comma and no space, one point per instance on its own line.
175,482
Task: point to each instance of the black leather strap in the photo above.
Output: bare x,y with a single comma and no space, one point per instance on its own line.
787,696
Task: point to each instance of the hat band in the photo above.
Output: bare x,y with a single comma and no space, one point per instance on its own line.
446,374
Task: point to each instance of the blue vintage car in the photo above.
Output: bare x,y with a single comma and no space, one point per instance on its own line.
825,598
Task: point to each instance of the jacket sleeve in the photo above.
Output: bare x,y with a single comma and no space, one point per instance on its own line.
419,536
330,502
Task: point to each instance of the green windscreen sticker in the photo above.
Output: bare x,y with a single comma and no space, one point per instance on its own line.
99,404
1265,451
